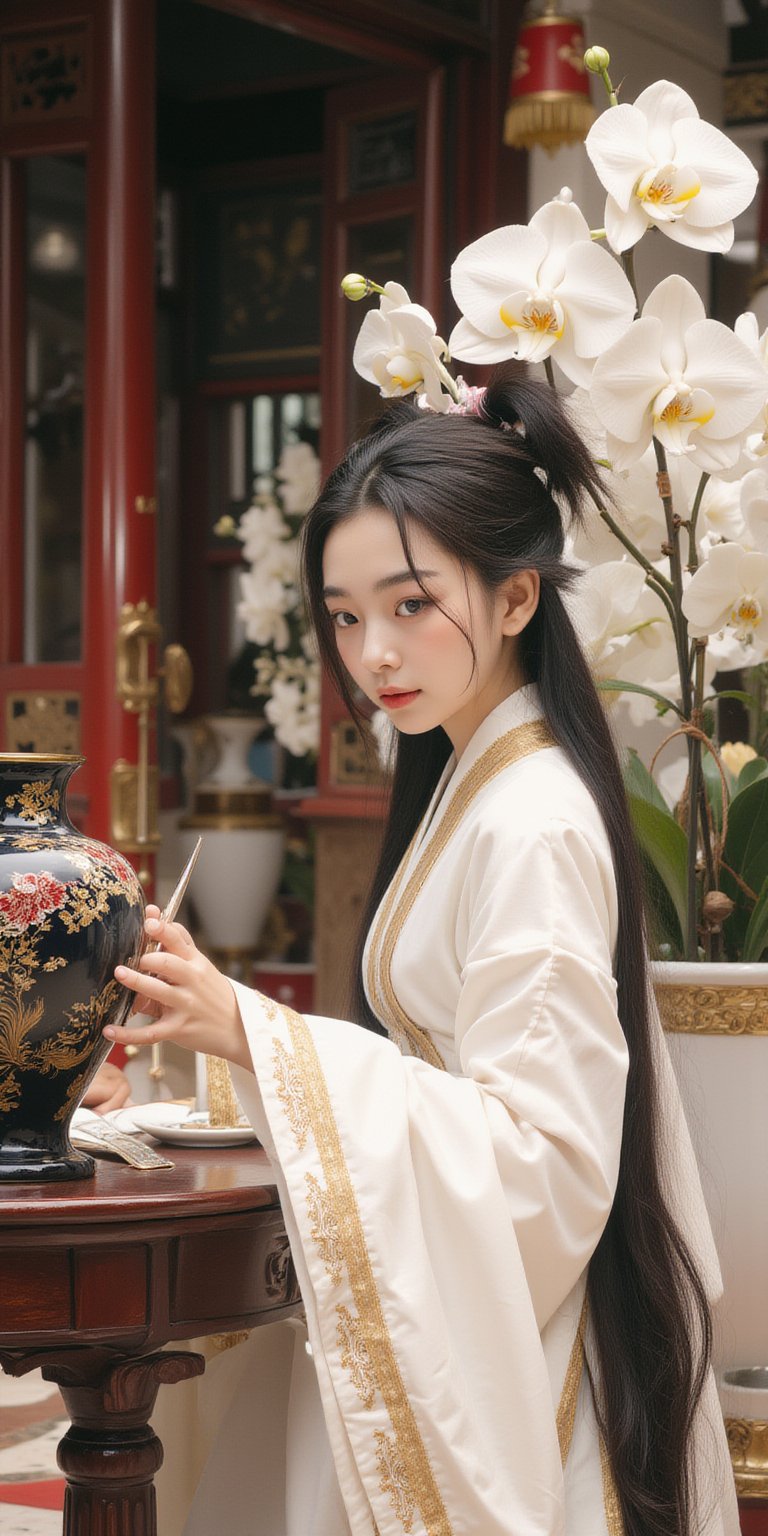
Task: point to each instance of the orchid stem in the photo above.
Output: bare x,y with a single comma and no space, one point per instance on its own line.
449,381
550,372
693,549
655,586
636,553
691,693
676,573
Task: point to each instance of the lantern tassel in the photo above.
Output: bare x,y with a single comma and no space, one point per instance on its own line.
534,120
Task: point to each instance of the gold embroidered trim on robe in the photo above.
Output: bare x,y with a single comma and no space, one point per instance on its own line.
404,1464
613,1517
516,744
566,1408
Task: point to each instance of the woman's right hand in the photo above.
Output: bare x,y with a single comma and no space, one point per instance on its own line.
188,1000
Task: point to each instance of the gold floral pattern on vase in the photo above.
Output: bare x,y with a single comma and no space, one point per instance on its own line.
38,803
70,910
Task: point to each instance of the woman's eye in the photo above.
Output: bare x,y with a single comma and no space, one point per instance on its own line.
343,620
412,606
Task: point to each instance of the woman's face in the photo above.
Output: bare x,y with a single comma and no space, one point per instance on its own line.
397,645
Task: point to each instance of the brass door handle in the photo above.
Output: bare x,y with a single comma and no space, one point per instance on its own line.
178,678
135,786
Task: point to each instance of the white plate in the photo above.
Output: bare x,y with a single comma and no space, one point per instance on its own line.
181,1134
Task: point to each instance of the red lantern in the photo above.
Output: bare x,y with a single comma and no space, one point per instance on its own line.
549,101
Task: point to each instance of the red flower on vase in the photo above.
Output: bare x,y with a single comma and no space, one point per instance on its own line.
115,863
32,898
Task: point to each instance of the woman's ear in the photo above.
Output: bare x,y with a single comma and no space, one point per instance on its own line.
520,599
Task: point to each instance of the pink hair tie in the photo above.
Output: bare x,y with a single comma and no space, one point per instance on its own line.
470,401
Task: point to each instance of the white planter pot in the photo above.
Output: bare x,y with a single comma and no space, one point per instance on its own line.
716,1018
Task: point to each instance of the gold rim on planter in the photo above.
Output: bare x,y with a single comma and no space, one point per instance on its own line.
713,1010
748,1445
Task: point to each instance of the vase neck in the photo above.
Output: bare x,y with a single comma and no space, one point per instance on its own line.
33,792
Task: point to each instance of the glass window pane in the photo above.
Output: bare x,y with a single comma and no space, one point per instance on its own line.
55,353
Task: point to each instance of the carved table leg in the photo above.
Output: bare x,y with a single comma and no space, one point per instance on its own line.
110,1454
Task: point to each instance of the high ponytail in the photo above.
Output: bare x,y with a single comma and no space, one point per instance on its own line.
495,499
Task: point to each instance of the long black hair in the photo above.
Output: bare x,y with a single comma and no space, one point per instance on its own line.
495,499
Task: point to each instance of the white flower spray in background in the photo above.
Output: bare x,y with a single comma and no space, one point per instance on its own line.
287,668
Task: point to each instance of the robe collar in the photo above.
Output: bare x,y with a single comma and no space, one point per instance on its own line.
518,708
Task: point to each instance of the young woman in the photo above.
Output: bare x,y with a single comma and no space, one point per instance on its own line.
491,1197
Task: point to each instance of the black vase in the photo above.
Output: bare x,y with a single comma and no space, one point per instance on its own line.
71,909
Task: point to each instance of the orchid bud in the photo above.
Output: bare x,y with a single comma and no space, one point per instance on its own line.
597,60
354,286
715,908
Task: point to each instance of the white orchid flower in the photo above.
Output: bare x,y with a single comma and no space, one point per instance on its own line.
730,591
754,506
259,528
294,711
662,165
531,290
282,561
603,608
264,603
755,446
298,475
678,376
398,348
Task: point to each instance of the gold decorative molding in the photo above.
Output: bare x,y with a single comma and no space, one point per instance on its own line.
748,1445
746,97
42,722
701,1010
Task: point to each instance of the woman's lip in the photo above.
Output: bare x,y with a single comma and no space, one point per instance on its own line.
396,699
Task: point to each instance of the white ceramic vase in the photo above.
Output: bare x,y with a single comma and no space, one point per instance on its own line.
234,735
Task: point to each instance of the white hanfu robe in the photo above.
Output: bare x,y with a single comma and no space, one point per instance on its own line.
444,1189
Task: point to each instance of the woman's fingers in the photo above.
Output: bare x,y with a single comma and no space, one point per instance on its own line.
163,963
119,1099
145,1034
150,987
171,936
144,1005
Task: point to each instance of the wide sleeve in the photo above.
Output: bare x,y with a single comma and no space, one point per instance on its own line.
538,1032
402,1186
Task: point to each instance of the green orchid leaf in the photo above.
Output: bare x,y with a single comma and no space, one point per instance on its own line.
615,685
756,769
746,843
756,936
638,781
664,844
714,787
747,699
664,933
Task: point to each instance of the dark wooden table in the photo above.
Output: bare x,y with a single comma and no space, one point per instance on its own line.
97,1276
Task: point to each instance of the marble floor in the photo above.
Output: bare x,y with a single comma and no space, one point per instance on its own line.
31,1424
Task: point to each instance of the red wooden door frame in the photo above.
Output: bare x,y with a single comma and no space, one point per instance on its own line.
115,129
